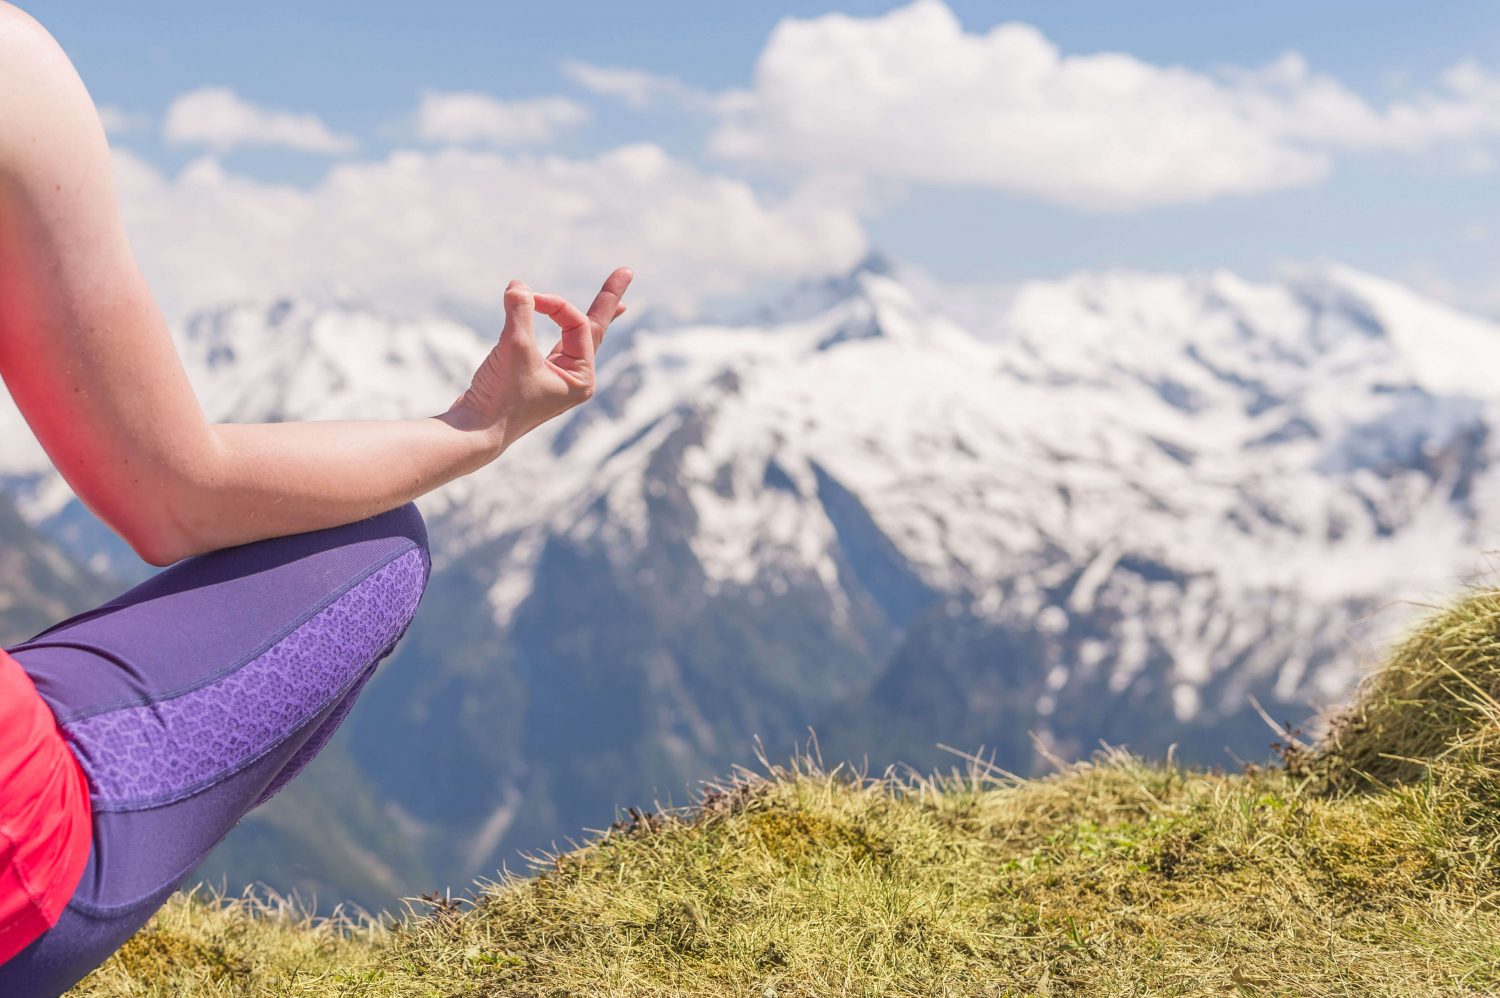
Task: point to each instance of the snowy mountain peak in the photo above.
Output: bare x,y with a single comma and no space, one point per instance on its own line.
1257,438
1442,350
1328,347
1148,497
812,297
1178,449
295,360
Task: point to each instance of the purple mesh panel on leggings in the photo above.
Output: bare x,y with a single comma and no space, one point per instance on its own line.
151,754
316,740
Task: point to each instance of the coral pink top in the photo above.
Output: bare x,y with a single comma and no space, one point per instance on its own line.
45,828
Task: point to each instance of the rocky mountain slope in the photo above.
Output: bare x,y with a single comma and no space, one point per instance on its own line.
1127,505
39,583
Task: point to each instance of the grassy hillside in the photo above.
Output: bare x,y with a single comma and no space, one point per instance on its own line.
1365,866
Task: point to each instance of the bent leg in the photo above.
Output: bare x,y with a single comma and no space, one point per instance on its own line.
196,696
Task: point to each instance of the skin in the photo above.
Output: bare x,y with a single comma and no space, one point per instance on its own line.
90,362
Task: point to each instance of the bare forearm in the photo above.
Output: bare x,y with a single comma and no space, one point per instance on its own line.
267,480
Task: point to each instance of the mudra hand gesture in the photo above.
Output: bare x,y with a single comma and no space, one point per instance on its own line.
516,389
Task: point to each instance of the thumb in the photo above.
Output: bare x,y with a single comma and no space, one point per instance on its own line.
520,306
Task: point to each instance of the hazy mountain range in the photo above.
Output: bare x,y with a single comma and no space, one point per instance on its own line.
1115,506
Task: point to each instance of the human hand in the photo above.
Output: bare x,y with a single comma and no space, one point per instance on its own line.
516,389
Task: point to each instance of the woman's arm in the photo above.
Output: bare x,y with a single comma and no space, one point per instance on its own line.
89,361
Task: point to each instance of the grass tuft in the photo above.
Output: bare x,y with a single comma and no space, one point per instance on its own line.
1363,867
1432,708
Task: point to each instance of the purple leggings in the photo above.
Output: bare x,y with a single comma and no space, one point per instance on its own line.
196,696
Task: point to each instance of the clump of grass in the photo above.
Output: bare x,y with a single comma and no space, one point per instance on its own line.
1433,707
1364,868
257,943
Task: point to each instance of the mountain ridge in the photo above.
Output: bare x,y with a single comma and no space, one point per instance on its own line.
1129,505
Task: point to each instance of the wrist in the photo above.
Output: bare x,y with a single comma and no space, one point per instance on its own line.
487,433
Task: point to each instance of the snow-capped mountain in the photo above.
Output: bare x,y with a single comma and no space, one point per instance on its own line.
1321,439
1129,504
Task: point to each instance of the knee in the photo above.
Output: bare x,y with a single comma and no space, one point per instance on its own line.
375,569
395,531
405,525
406,521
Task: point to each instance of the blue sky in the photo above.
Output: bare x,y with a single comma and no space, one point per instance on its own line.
1407,193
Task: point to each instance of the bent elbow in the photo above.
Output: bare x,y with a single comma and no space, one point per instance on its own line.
158,548
157,557
157,531
175,517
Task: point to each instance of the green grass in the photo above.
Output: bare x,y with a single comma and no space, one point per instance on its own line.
1366,866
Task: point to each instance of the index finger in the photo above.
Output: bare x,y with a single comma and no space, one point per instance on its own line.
576,342
606,303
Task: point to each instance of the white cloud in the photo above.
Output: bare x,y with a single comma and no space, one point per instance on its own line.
421,228
118,122
1291,102
462,118
911,97
219,118
641,89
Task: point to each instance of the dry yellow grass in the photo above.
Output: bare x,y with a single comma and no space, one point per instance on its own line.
1366,867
